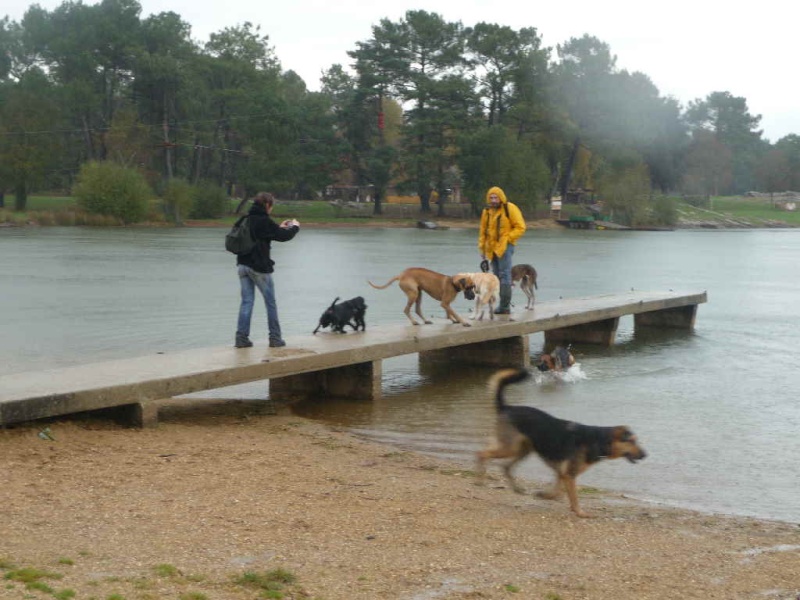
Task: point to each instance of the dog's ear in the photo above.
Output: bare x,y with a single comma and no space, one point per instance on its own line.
624,434
334,302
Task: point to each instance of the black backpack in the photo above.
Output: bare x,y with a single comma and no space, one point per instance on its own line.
239,240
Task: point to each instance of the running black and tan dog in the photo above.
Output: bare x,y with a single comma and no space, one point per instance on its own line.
566,447
444,288
350,312
526,275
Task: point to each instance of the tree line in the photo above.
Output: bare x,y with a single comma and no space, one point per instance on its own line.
426,106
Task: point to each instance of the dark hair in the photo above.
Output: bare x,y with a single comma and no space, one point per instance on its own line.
265,199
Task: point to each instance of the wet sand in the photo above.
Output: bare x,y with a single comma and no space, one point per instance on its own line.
224,488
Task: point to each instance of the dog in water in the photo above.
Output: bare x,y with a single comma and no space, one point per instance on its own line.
526,275
350,312
568,448
560,359
444,288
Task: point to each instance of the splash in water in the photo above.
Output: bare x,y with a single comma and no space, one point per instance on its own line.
571,375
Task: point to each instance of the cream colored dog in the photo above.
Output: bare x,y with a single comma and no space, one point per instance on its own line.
487,293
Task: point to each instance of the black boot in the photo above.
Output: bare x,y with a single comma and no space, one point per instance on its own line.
242,341
505,300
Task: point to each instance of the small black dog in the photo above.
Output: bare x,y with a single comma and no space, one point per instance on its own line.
350,312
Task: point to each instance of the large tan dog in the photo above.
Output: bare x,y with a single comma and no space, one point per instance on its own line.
487,293
443,288
568,448
526,275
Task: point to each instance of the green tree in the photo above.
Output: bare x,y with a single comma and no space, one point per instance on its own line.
510,70
583,80
128,140
507,66
90,51
626,194
496,156
230,70
708,165
379,166
790,147
29,117
178,199
419,60
7,42
164,82
727,117
774,172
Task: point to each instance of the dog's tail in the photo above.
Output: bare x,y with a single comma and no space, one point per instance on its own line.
330,308
384,286
530,279
500,380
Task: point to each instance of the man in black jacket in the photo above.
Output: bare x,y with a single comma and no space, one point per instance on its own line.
256,268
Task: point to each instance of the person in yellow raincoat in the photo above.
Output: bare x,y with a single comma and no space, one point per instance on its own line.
502,225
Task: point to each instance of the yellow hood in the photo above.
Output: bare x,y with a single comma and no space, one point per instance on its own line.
500,194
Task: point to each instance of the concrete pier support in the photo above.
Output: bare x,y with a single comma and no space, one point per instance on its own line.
505,352
681,317
140,414
361,380
317,365
598,332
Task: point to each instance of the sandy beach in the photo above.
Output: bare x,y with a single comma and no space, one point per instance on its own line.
230,500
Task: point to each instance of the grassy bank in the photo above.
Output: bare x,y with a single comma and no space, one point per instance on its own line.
732,211
721,211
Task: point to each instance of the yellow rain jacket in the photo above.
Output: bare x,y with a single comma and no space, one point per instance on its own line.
500,226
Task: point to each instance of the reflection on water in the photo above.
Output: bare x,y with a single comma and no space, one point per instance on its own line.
715,408
433,408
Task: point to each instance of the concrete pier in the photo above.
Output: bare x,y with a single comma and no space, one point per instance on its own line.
330,364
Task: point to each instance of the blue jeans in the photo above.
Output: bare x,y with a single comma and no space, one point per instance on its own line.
249,281
502,266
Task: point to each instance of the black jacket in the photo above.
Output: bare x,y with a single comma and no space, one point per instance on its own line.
265,230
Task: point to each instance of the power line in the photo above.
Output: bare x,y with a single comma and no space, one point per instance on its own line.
155,126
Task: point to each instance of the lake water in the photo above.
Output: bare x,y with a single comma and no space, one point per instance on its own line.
717,408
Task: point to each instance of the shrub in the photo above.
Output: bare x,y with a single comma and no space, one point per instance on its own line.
178,199
210,202
106,188
664,211
44,218
626,194
65,217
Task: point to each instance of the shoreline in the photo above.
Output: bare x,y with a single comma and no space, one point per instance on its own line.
445,223
226,487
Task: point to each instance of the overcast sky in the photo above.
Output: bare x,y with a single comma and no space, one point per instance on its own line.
687,48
